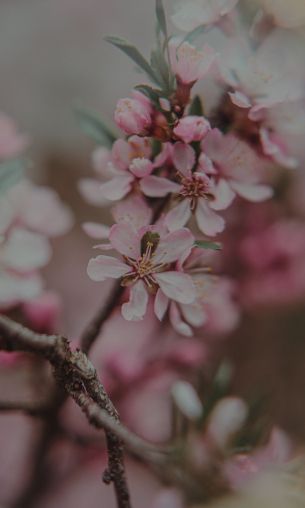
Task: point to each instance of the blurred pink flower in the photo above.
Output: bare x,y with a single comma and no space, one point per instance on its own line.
241,468
190,64
12,143
192,13
42,313
274,258
235,167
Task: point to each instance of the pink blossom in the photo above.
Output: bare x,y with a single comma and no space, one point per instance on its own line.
274,259
191,128
12,143
22,253
190,64
127,163
29,214
243,467
192,13
43,312
147,263
266,76
133,116
123,152
197,194
37,208
235,168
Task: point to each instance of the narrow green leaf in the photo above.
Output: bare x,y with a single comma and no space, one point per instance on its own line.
95,128
134,54
161,18
10,173
208,245
196,108
161,69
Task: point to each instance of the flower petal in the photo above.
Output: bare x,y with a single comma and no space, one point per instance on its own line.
184,158
208,221
133,210
25,251
173,246
116,188
106,267
240,99
194,314
252,192
135,308
178,216
141,167
160,304
177,286
90,191
223,195
125,239
158,187
96,231
177,323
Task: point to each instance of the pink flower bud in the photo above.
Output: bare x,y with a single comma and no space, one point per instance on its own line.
133,116
192,128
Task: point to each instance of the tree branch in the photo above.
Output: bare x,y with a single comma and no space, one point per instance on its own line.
75,372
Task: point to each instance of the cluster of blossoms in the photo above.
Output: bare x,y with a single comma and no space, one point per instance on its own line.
25,226
189,166
180,167
183,162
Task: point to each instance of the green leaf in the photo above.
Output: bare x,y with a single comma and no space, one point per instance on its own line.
134,54
196,108
161,18
208,245
160,68
95,128
10,173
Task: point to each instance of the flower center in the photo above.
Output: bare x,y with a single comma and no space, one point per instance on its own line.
144,267
195,187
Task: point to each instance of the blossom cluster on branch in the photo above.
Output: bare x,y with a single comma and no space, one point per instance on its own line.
198,183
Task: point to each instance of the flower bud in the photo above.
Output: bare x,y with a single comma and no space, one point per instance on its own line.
192,128
133,116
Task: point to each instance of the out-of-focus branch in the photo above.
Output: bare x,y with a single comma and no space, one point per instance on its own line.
76,374
28,408
93,329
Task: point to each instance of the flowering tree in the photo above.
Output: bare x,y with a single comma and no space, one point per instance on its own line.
205,149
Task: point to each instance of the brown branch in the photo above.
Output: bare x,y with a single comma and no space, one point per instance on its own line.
74,372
